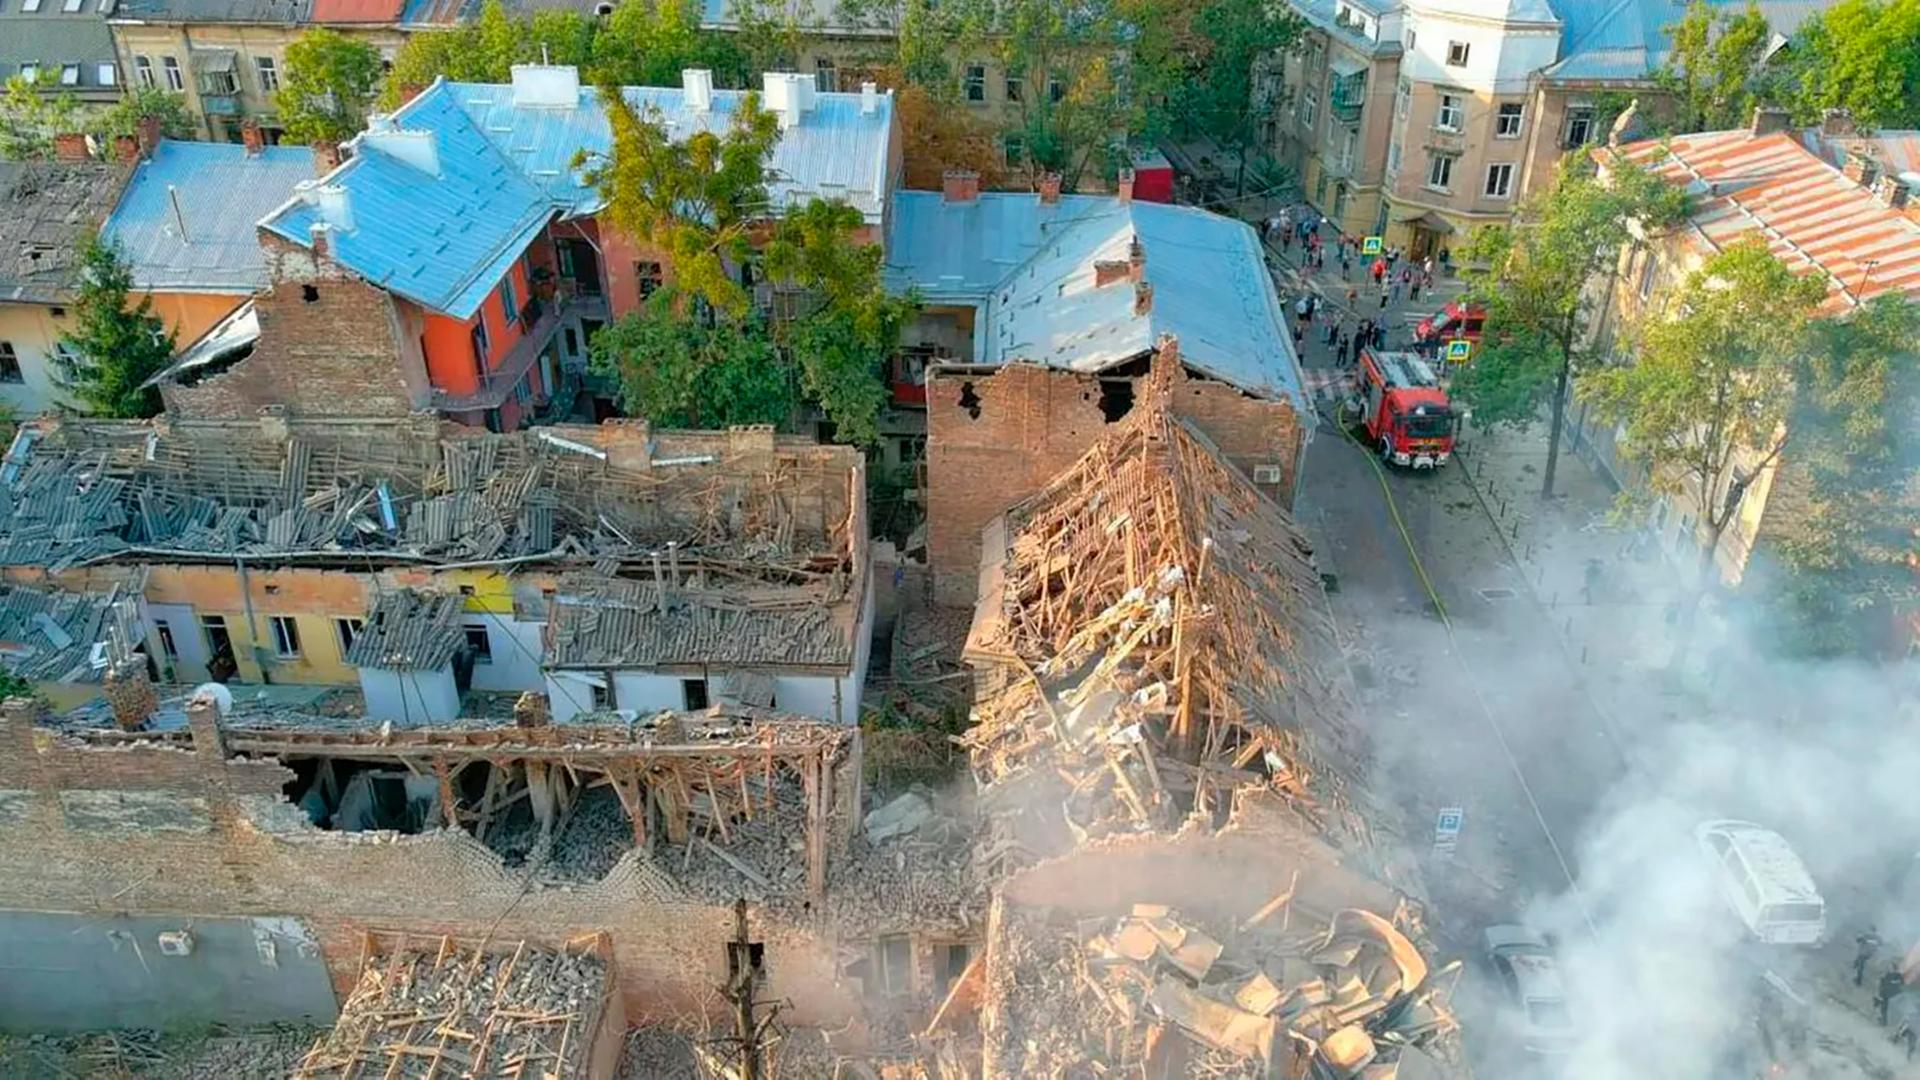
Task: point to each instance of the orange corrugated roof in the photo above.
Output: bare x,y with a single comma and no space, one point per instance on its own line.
1811,216
357,11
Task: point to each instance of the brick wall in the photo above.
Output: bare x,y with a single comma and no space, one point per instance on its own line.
1032,423
330,346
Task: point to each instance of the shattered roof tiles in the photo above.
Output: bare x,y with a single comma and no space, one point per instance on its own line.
410,630
600,623
46,207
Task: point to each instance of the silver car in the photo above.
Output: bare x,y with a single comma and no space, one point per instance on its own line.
1525,962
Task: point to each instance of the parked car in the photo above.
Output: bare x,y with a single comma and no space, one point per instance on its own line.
1525,962
1764,882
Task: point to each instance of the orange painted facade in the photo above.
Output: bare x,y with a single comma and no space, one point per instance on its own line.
190,315
449,345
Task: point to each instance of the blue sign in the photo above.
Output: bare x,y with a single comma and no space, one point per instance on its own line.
1446,825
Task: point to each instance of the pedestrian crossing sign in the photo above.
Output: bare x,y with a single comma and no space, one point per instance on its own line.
1371,245
1459,350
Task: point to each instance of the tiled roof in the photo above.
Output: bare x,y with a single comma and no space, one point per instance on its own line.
409,630
1031,265
1626,40
445,240
357,11
51,635
442,241
222,191
46,208
1811,216
600,622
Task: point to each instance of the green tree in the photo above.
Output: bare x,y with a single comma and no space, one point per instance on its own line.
1858,55
694,199
486,49
1714,68
32,113
116,345
1207,78
1706,404
1072,113
913,39
123,119
650,42
1533,277
1847,533
328,85
682,371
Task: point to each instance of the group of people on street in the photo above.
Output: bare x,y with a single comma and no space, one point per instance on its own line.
1889,992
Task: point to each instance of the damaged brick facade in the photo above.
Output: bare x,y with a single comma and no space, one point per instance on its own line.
994,439
330,345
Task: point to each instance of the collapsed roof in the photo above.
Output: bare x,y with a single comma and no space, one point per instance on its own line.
61,636
46,209
409,630
1146,640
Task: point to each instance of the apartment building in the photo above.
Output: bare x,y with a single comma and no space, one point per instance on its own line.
64,45
1334,127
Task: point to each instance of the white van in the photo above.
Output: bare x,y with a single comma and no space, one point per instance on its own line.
1764,882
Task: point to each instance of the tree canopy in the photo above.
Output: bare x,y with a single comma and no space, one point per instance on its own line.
1858,55
1714,68
116,345
328,85
32,113
1533,276
123,119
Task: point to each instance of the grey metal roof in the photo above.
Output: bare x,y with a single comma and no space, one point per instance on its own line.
46,208
221,191
1030,266
602,623
277,12
409,630
55,38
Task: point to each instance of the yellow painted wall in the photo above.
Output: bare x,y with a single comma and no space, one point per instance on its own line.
32,330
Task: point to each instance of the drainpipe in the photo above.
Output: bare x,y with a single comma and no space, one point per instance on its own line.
253,629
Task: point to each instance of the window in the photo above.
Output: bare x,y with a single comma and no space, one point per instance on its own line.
286,637
309,294
165,633
70,75
523,390
143,70
346,630
106,75
976,82
572,340
825,78
1457,53
1579,126
1015,85
1393,156
30,72
482,345
602,696
176,82
1506,123
1451,116
1499,181
10,364
508,301
1649,273
1402,100
72,5
895,964
1411,39
1014,144
223,83
1440,171
1308,103
269,75
1056,89
647,276
1346,150
30,6
219,642
479,645
695,691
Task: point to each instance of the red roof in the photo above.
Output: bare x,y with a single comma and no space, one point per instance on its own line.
357,11
1811,216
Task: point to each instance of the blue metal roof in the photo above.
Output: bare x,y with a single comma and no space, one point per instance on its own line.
443,241
1621,40
222,191
834,152
1031,268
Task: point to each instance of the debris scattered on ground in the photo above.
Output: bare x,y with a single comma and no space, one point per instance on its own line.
143,1054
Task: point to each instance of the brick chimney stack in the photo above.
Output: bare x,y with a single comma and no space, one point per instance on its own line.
1837,122
326,157
252,137
1124,189
130,693
1136,259
960,186
70,146
1860,168
1769,119
322,243
1142,297
147,132
126,149
1050,189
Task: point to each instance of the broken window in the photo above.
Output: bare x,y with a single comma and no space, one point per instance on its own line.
647,277
286,637
309,293
165,633
953,960
1116,398
221,663
478,644
346,630
696,692
893,960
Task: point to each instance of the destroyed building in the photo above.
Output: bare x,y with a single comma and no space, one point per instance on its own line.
268,551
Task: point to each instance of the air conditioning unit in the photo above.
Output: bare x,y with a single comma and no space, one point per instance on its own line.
1266,474
176,943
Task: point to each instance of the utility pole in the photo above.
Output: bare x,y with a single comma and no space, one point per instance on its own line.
743,970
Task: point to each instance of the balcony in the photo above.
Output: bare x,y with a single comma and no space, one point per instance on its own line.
1349,96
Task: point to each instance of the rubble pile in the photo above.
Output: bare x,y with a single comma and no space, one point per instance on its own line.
439,1007
1152,989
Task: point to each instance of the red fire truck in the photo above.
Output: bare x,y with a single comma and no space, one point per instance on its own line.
1407,414
1454,322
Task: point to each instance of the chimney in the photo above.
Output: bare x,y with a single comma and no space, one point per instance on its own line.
251,137
1890,191
960,186
326,157
869,98
697,85
409,91
1837,122
554,86
1050,189
126,149
1108,271
1124,188
1768,119
130,694
317,237
70,146
1860,168
787,96
335,205
1142,297
420,149
148,132
1136,259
